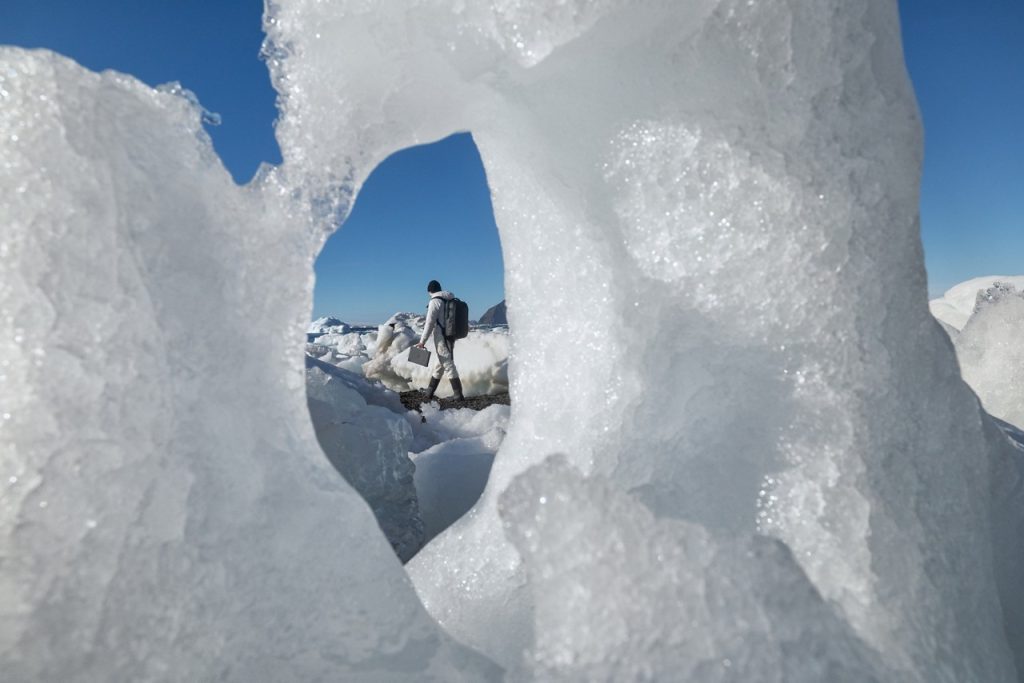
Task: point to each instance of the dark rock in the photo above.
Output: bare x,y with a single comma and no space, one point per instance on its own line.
495,315
413,399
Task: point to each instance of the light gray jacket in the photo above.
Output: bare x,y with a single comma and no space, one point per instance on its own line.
435,317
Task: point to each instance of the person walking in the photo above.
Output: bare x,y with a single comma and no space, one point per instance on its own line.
445,346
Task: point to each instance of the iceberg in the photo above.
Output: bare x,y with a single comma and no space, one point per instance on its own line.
718,321
957,304
327,324
991,353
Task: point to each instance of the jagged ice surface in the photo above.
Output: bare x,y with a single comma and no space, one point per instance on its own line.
165,510
369,446
957,304
647,599
737,180
990,348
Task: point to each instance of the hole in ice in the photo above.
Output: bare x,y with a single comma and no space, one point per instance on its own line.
423,214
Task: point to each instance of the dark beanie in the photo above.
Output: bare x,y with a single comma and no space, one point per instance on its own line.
433,286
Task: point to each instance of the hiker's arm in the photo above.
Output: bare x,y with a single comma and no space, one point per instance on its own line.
431,322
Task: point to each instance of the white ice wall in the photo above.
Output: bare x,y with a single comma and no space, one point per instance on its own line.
739,180
165,510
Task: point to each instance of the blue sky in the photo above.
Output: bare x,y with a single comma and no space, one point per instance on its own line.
965,59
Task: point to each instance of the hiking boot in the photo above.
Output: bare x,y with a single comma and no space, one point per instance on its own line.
431,388
457,388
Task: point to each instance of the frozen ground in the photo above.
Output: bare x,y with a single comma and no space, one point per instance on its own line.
729,398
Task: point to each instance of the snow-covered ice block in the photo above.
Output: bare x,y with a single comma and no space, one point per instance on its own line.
369,446
639,598
957,305
454,450
708,212
326,323
165,510
990,348
449,479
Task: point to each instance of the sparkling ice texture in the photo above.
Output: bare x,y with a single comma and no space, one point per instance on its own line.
715,286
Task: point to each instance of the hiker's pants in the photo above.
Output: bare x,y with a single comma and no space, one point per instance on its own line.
445,357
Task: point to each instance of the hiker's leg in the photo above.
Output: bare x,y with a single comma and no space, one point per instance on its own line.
439,350
438,369
432,387
457,388
446,360
453,372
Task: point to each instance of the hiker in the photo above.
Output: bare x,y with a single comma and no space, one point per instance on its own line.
445,346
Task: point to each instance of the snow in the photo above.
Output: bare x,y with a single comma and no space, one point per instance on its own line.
453,454
377,445
708,213
369,446
327,324
990,348
668,589
166,512
383,356
955,307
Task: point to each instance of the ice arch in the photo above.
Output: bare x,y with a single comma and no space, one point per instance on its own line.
733,181
716,203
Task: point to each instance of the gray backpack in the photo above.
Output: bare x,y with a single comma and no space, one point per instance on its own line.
456,318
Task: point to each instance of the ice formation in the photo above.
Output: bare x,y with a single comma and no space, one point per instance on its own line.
481,357
990,348
453,453
737,181
165,510
369,446
957,305
369,437
647,599
327,324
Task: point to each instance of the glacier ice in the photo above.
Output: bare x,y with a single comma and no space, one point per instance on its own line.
957,304
369,446
990,348
453,453
165,510
648,599
736,181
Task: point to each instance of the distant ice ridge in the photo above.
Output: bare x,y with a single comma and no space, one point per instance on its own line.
736,181
987,320
327,324
957,305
